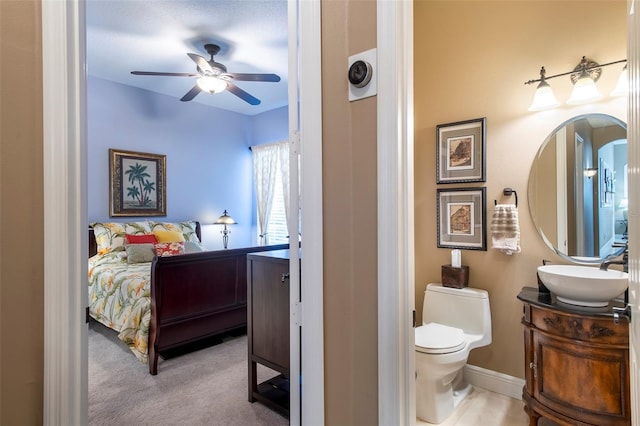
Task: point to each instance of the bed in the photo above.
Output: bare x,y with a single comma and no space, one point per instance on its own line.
177,295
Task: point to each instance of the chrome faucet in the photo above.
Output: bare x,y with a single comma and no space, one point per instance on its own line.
611,260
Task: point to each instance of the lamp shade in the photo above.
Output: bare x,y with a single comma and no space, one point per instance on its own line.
584,90
225,219
622,88
543,98
212,84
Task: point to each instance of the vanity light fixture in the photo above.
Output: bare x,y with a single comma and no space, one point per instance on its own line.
544,97
584,83
622,88
584,77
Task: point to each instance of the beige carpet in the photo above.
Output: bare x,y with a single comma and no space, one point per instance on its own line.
204,387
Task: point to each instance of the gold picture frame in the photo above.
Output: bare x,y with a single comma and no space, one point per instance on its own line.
137,184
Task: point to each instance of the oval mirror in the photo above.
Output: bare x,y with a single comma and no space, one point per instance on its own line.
578,188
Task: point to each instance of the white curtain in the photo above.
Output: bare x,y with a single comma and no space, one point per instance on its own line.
266,159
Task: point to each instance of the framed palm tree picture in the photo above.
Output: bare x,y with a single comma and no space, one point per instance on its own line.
137,184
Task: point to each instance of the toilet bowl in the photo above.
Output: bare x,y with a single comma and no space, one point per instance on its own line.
455,321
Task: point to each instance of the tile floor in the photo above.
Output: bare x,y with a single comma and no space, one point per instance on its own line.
486,408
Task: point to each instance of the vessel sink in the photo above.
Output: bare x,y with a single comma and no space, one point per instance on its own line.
583,285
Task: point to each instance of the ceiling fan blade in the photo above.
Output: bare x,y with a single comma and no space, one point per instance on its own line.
254,77
201,63
191,94
171,74
242,94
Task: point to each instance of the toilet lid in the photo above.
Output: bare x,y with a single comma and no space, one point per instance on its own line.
439,339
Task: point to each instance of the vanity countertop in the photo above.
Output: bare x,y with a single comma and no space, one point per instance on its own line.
547,300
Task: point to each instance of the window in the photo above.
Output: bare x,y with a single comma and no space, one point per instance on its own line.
277,230
271,180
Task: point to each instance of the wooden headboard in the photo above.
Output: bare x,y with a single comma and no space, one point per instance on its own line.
93,246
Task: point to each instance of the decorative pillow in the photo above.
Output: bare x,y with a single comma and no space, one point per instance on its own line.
191,247
141,239
139,253
169,249
188,229
168,236
110,236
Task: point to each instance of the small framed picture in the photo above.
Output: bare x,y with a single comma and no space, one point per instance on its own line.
460,151
137,184
462,218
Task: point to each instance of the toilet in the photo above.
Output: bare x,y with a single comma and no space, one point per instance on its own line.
454,321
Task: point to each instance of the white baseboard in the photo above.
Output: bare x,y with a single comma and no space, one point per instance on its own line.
493,381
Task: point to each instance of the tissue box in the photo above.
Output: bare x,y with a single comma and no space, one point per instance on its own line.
455,277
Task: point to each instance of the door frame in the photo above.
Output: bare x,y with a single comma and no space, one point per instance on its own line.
396,269
65,225
633,148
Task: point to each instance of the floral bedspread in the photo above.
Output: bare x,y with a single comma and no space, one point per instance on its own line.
120,298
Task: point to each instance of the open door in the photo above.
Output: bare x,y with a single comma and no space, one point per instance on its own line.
65,193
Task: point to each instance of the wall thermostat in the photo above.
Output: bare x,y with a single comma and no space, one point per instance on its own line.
362,75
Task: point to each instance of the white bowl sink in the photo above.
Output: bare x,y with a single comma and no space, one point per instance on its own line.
583,285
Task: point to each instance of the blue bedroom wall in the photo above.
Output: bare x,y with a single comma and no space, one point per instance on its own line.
268,126
208,160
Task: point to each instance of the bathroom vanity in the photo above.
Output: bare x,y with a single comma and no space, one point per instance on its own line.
576,362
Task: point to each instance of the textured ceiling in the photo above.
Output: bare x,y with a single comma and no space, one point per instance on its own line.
156,35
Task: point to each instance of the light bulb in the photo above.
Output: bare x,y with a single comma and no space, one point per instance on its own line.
622,88
584,90
543,98
212,84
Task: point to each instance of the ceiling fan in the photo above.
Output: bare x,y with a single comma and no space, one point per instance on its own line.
214,78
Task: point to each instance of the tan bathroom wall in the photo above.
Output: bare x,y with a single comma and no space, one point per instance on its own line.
21,214
471,60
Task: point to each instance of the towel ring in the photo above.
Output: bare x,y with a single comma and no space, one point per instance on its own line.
507,192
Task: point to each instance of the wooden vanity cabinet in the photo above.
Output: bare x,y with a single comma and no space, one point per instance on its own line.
576,364
268,326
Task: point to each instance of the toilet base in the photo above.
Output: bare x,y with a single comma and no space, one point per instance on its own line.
436,401
459,394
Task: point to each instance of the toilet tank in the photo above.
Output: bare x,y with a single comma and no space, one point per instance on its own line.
464,308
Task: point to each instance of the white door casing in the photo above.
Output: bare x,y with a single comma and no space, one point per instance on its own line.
633,147
396,271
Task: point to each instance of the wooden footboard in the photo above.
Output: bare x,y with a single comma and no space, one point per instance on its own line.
197,295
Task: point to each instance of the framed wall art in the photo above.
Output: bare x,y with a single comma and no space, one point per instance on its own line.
137,184
606,183
460,151
462,218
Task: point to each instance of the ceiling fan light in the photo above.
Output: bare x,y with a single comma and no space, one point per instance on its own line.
212,84
584,90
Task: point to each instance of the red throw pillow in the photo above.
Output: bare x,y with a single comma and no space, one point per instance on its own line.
169,249
141,239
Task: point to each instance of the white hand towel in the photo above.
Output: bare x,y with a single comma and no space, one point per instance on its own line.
505,229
